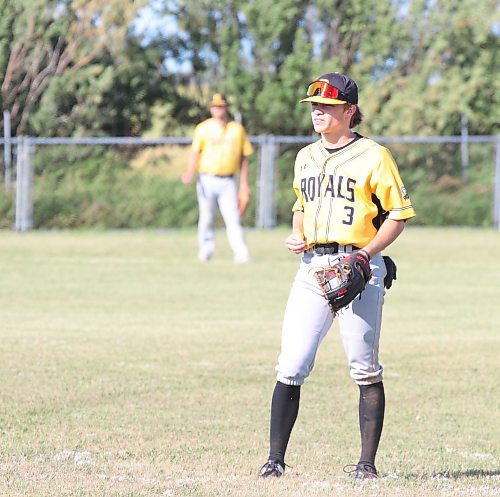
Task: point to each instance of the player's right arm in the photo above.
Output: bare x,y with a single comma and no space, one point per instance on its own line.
295,242
192,168
196,151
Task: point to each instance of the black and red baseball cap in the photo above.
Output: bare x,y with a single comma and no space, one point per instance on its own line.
332,89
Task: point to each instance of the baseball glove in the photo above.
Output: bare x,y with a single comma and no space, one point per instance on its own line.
345,280
243,199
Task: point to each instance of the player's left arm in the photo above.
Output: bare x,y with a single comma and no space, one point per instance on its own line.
244,191
246,150
388,232
244,174
389,189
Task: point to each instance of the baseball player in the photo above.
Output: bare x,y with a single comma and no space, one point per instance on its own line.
220,150
350,197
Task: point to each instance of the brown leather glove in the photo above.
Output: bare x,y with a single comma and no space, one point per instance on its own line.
345,280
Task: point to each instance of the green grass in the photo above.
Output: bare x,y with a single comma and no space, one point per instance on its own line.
127,368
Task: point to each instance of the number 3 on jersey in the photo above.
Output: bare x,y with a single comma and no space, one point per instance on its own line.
350,215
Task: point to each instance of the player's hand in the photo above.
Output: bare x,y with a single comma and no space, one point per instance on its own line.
187,177
295,243
243,198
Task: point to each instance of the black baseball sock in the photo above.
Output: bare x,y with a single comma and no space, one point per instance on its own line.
284,410
371,419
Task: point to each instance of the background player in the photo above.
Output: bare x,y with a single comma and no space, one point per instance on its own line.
349,196
220,150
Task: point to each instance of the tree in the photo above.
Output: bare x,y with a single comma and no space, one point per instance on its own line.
76,66
50,40
431,62
106,97
420,65
252,57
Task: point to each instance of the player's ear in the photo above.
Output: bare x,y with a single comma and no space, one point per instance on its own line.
350,109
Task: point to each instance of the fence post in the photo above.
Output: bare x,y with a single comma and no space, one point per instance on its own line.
7,152
24,184
266,184
464,146
496,201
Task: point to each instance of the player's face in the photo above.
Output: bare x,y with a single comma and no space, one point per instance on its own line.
330,118
218,112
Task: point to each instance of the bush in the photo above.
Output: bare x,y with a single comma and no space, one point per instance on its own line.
6,208
126,199
98,186
451,202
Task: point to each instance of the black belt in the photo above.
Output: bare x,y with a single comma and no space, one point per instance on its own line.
218,175
330,248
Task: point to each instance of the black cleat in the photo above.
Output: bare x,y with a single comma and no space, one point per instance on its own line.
362,471
272,469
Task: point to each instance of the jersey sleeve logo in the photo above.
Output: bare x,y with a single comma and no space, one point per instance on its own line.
404,193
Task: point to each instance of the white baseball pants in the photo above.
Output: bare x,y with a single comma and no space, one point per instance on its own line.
219,191
308,319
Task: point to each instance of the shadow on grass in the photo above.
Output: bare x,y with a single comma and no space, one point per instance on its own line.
469,473
452,475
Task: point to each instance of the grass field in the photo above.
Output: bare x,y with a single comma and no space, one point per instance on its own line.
127,368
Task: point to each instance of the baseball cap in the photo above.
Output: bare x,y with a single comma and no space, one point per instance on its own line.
218,100
332,88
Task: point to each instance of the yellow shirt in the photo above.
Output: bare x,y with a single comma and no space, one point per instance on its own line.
346,195
221,147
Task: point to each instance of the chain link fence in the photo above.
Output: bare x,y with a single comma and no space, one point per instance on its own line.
49,174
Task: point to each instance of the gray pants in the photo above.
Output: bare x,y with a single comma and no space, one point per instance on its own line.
219,191
308,319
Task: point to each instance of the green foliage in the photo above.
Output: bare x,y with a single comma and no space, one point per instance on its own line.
442,65
103,98
96,186
85,161
87,186
284,92
98,189
76,68
6,207
452,203
7,15
420,65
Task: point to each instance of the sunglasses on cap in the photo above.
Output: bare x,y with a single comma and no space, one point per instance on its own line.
324,89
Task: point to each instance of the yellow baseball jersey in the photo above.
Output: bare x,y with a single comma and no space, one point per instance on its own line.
221,147
346,195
